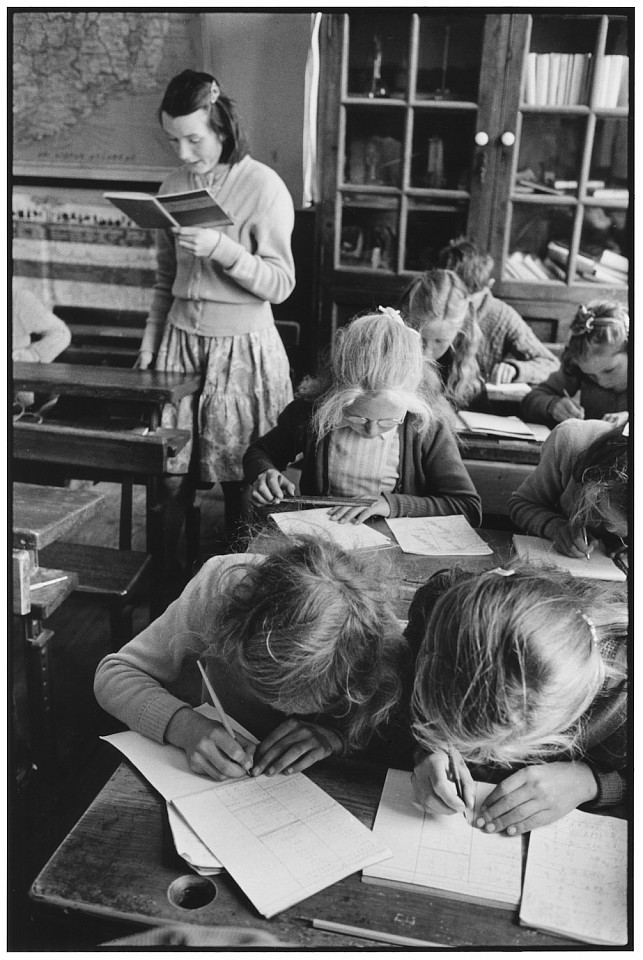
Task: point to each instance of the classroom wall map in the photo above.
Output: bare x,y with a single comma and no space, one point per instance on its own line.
87,86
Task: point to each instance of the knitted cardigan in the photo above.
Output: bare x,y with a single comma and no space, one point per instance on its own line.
507,338
432,481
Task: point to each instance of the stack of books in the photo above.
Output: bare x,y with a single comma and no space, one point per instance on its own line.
611,84
610,268
526,266
556,79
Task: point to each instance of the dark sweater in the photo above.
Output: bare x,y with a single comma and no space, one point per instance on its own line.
432,481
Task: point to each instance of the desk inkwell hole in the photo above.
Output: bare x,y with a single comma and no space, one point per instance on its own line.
191,893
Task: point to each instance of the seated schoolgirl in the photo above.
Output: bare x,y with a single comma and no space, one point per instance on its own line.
595,363
438,305
508,351
369,426
301,647
579,490
521,675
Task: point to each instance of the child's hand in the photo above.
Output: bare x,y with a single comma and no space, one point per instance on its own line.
144,360
618,419
434,791
360,513
503,373
209,749
199,241
567,409
294,746
571,542
269,487
536,796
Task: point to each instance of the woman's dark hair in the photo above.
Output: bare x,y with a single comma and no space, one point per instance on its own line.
191,91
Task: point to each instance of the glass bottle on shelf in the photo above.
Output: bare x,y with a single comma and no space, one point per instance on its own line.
377,88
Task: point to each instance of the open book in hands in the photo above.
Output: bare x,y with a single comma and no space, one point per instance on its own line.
192,208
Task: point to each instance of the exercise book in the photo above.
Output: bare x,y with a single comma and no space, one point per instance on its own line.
576,879
538,550
488,423
443,855
347,535
281,838
438,536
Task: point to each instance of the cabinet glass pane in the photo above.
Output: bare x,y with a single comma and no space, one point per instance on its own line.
430,229
374,146
378,55
369,235
551,153
609,165
449,57
604,233
559,65
442,149
539,243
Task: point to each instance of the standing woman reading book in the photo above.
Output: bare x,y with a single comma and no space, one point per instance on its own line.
211,311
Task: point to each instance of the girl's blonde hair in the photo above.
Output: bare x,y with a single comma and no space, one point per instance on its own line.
442,295
508,664
374,353
312,624
596,326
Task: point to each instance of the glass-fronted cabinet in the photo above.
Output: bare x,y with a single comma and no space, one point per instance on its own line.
509,128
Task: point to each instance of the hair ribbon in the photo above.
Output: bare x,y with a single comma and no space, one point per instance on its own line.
214,92
392,313
592,628
502,573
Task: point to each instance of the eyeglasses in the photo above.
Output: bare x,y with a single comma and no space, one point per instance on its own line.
360,421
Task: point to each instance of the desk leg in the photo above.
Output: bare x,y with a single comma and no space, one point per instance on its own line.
39,695
156,546
125,521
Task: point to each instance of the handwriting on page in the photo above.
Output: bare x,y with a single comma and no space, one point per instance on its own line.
443,853
347,535
538,550
438,536
576,878
281,838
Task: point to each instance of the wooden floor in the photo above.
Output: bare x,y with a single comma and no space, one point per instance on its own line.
39,822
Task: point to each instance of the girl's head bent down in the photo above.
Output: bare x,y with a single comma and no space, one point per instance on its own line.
508,664
312,631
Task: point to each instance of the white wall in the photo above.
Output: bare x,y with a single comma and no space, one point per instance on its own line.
260,61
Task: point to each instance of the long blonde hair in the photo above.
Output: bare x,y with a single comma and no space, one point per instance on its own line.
376,353
442,295
508,664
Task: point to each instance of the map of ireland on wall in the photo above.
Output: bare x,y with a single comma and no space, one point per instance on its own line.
87,87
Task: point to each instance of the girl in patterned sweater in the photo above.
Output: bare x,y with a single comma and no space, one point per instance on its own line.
372,426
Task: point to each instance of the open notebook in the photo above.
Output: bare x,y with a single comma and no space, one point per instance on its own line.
347,535
443,856
538,550
576,879
282,838
438,536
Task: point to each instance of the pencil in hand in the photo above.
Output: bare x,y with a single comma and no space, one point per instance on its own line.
223,717
455,776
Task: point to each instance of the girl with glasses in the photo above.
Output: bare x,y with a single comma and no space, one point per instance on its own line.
371,426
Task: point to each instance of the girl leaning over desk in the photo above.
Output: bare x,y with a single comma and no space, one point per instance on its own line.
520,679
210,311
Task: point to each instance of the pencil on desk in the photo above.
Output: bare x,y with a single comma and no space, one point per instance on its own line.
227,726
381,935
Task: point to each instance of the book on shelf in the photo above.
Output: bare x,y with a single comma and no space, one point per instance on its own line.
191,208
556,79
542,79
529,92
611,82
611,193
614,261
554,269
538,187
559,253
604,274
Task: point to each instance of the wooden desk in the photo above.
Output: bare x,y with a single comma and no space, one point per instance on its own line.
112,873
152,388
41,515
497,466
127,456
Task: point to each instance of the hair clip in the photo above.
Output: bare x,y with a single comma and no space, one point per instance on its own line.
592,628
502,573
392,313
214,92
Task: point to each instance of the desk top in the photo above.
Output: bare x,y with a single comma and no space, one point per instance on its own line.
42,515
117,864
107,383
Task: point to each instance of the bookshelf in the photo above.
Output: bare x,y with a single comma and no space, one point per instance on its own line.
511,128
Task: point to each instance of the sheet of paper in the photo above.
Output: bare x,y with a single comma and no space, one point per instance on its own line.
191,847
496,426
539,430
576,878
347,535
444,854
510,391
282,838
438,536
538,550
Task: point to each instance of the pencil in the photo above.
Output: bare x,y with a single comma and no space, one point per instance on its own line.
458,783
217,703
381,935
584,532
